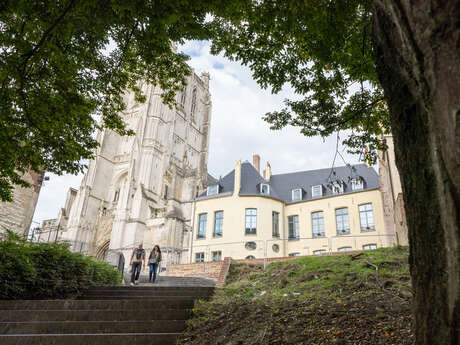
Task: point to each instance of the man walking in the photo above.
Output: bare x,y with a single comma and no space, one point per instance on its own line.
136,262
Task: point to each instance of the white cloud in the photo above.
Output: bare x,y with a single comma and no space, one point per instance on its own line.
237,129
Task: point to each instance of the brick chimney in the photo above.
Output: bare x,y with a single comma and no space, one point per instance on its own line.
268,172
256,162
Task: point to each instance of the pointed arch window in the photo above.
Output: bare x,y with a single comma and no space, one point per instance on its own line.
183,96
193,108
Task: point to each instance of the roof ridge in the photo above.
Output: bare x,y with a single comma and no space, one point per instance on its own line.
322,169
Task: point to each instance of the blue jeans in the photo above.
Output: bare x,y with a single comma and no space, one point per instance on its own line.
153,272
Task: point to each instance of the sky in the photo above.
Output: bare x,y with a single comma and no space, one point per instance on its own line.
237,130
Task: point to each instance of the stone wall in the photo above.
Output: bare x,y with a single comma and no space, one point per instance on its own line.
17,215
216,270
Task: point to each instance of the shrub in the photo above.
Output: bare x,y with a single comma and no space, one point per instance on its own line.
48,270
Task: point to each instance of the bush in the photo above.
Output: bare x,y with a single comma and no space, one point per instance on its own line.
48,270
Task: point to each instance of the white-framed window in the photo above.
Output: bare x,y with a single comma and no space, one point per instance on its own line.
216,256
199,257
317,224
316,191
293,227
264,189
297,194
213,190
202,218
319,251
357,183
345,249
251,221
337,187
342,222
370,246
218,223
276,224
294,254
366,217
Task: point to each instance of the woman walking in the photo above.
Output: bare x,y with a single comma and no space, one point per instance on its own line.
154,263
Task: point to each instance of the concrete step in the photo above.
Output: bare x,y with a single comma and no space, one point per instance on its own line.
141,297
93,315
111,304
146,292
91,339
92,327
150,287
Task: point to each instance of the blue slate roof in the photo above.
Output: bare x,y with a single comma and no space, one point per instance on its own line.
281,185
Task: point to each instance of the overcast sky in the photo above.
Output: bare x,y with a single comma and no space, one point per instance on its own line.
237,130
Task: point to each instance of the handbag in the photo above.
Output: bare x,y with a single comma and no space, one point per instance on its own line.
153,261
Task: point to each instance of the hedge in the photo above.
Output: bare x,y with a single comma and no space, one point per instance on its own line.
48,270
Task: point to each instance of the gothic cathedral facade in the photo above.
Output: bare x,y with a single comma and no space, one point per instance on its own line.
139,189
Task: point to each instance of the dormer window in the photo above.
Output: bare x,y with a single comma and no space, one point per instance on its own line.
316,191
357,183
337,187
213,190
264,189
297,194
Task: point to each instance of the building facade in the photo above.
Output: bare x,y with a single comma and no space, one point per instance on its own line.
139,188
246,215
392,196
17,215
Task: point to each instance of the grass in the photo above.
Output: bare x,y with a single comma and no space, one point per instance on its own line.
359,298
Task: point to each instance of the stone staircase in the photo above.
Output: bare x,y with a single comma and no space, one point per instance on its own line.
119,315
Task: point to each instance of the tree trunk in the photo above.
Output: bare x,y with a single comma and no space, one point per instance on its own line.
417,54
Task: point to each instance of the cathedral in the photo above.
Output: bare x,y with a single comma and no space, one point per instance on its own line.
139,189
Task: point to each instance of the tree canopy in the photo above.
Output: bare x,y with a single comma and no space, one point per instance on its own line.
64,62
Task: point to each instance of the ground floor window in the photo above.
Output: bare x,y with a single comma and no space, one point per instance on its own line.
319,252
250,257
217,255
345,249
294,254
370,246
199,257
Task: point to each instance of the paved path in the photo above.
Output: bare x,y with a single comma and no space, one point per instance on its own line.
172,281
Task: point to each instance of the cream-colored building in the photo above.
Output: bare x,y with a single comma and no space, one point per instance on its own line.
247,215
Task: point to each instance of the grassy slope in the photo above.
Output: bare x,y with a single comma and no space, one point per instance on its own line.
311,300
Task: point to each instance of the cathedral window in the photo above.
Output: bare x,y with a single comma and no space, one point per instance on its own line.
183,96
115,197
193,108
166,194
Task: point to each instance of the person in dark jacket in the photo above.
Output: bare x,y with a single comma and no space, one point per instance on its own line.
137,259
154,263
